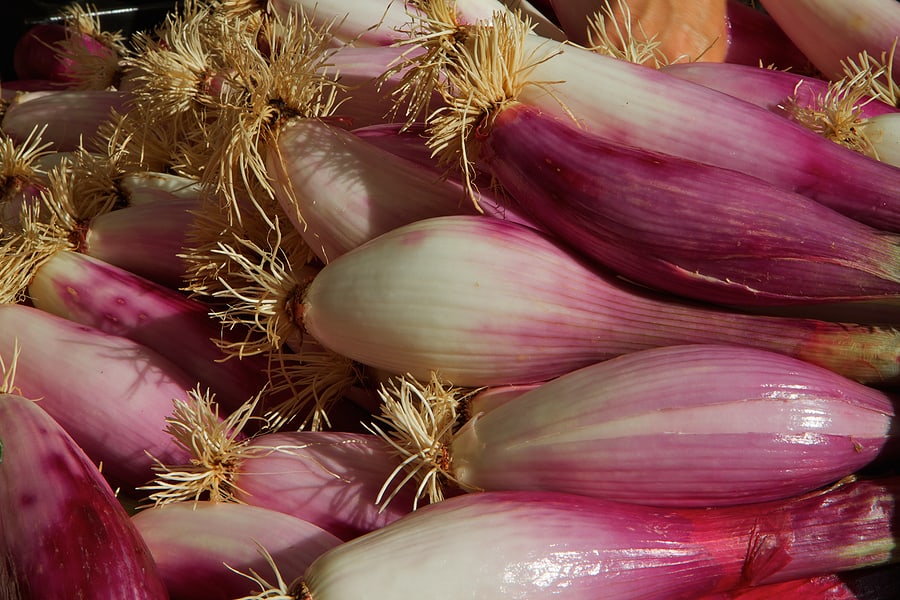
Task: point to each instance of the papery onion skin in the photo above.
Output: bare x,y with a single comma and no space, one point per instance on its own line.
63,533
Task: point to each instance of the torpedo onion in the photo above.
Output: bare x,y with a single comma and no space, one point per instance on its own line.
109,393
680,426
484,301
642,107
754,38
829,32
688,228
540,545
143,187
88,291
74,51
330,478
34,55
73,117
207,550
146,239
364,96
851,111
339,190
63,533
883,133
410,142
769,88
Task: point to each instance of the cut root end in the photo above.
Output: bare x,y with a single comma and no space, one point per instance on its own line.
215,446
419,422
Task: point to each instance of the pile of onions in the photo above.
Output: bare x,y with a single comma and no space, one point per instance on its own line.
320,300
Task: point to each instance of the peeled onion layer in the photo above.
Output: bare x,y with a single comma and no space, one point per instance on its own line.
329,478
647,108
63,533
112,395
680,426
484,301
94,293
539,545
685,227
198,546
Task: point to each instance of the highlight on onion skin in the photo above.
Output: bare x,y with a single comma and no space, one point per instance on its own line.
550,545
679,426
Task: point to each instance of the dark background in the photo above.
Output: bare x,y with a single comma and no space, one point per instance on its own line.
115,15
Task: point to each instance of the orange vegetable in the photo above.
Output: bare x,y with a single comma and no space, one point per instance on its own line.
684,29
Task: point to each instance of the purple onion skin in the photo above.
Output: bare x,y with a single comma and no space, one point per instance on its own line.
146,239
192,542
680,426
539,545
651,109
409,142
684,227
113,300
767,88
533,311
110,394
754,37
63,533
72,117
36,54
329,478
